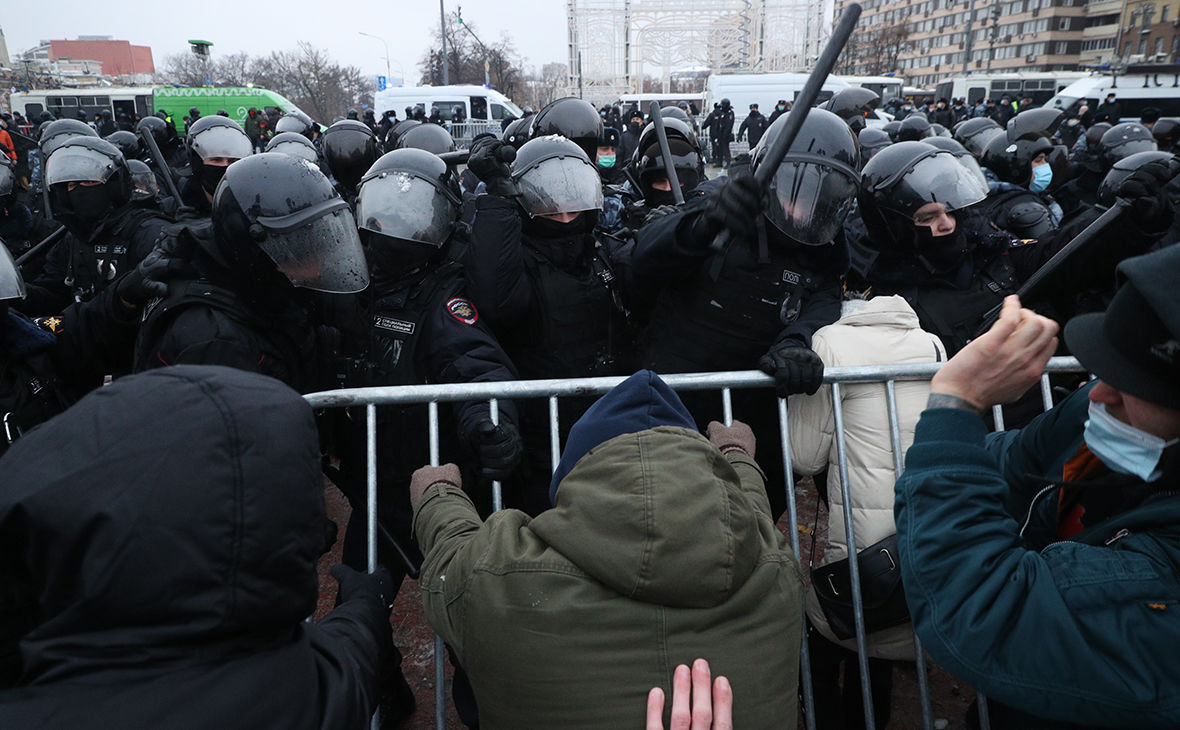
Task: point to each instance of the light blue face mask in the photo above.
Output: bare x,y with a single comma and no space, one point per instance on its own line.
1042,176
607,161
1122,447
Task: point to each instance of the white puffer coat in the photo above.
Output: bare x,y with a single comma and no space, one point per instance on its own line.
880,331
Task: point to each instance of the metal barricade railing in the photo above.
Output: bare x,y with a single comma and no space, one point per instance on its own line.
464,132
725,382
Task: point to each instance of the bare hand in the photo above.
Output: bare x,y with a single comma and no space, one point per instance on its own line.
421,480
712,707
1003,363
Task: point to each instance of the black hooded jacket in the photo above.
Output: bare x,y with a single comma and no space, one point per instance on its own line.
172,549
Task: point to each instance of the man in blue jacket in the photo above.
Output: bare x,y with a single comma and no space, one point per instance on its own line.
1040,565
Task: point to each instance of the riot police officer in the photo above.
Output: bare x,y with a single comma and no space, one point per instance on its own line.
547,286
720,126
1024,164
299,123
213,144
853,105
349,148
872,141
16,219
90,192
166,139
647,186
975,133
278,229
418,326
432,138
574,119
290,143
758,301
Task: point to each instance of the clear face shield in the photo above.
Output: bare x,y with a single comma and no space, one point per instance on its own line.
555,185
222,141
317,248
402,205
810,197
12,286
939,177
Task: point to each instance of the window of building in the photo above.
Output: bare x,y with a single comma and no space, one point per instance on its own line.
1164,12
1159,46
1143,47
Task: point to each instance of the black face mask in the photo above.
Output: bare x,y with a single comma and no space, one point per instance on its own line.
89,204
210,176
942,254
564,244
634,127
655,198
391,258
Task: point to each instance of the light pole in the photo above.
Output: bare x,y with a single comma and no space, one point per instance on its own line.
370,35
442,25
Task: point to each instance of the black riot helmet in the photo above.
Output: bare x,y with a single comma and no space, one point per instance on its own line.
898,182
937,130
574,119
852,105
128,143
1090,155
290,143
278,212
913,128
1123,140
872,141
1167,133
350,149
297,122
814,187
144,186
161,131
397,130
554,175
430,137
215,137
1095,132
891,129
1122,169
351,114
1034,123
100,179
647,162
974,134
675,112
406,208
518,131
1011,161
965,158
54,134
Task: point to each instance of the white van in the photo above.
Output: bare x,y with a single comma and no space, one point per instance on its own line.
481,109
765,90
1141,87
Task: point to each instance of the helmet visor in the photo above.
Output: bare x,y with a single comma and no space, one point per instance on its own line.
222,142
937,178
401,205
323,253
304,151
810,201
1131,147
968,161
7,180
560,185
12,286
144,186
78,164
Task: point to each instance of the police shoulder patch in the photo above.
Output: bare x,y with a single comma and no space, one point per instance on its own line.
1017,243
462,310
50,324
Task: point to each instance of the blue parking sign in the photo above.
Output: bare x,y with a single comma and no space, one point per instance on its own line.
380,83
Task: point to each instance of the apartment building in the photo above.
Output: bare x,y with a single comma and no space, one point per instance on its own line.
1151,32
927,40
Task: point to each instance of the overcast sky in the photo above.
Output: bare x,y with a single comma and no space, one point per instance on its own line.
537,27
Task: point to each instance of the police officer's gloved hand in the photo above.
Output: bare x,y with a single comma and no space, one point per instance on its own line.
1146,190
490,160
499,448
355,584
796,368
167,261
735,205
659,212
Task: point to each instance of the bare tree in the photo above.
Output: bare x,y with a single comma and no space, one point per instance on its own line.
466,55
874,51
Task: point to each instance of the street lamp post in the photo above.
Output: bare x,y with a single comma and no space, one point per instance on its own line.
370,35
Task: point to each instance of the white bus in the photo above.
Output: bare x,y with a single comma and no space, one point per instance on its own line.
643,101
1039,85
886,87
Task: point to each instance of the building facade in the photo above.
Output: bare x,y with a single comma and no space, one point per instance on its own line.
928,40
93,55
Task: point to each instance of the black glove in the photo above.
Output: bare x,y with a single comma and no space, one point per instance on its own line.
735,205
659,212
490,161
796,369
355,584
150,278
499,449
1146,190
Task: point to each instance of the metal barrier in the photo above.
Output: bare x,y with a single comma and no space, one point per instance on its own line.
464,132
837,377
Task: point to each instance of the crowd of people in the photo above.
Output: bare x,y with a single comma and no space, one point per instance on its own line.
158,536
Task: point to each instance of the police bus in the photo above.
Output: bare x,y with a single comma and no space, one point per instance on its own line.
1139,87
146,100
1039,86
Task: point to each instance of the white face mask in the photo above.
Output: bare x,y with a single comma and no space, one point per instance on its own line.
1122,447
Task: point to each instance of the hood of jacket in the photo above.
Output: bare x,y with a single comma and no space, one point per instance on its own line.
647,505
881,311
168,517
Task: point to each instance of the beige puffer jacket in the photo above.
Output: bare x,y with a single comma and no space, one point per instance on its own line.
880,331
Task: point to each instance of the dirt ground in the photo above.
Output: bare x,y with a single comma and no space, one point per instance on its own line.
949,697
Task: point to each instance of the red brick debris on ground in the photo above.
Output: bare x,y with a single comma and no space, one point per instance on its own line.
413,637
